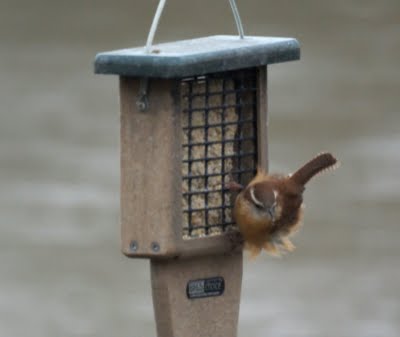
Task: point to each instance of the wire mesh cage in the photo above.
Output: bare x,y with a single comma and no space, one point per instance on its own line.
219,132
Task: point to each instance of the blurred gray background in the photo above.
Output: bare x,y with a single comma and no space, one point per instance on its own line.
61,272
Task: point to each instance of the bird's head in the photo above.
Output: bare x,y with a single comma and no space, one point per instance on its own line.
262,199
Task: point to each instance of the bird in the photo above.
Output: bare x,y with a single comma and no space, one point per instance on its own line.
269,210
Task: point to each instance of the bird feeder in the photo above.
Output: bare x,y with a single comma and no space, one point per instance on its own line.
193,118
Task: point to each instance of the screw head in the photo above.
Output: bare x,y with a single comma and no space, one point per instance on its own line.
155,247
142,103
133,246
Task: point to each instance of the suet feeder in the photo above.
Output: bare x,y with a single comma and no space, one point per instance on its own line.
193,117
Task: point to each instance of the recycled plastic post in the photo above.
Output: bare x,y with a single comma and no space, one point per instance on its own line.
193,117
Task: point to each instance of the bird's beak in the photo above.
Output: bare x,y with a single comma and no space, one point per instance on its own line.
271,212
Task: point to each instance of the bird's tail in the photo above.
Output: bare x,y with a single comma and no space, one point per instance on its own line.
317,165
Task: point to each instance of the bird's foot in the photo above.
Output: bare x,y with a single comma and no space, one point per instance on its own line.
236,240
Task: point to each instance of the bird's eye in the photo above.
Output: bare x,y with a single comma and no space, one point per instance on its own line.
260,207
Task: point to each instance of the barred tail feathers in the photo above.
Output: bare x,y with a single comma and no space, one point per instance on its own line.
317,165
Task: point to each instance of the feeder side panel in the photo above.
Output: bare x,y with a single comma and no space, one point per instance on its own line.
150,170
262,118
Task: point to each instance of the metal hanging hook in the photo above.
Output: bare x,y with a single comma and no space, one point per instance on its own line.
160,8
238,21
154,25
142,102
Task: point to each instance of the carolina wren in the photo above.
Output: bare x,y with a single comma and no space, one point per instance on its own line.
269,209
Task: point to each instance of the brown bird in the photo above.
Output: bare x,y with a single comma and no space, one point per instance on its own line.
269,209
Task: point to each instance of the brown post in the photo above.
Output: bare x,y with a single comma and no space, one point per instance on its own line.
177,315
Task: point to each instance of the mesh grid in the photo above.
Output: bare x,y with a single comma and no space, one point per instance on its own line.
219,144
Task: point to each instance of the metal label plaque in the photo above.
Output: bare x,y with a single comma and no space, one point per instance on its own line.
208,287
